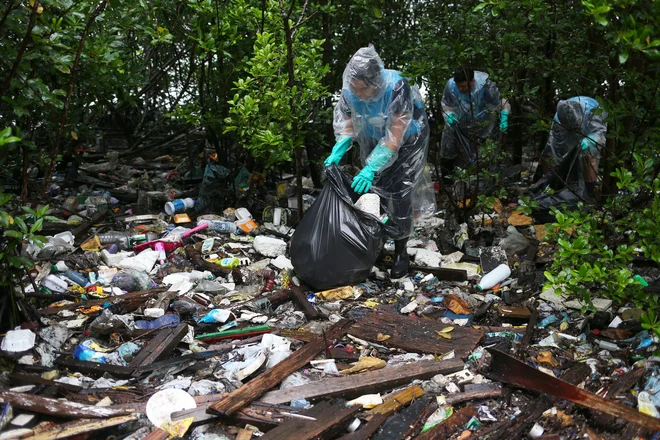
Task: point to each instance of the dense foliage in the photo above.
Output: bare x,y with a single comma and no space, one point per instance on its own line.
257,78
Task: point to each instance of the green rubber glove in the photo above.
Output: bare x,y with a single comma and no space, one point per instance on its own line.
452,119
338,151
587,143
504,121
378,159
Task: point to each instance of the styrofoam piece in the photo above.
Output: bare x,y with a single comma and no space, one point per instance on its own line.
162,404
55,284
269,247
16,341
369,203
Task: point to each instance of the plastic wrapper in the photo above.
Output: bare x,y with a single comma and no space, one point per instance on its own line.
336,244
477,114
213,183
573,122
132,280
378,107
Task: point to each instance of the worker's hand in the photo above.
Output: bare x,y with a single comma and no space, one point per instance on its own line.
504,121
362,182
588,143
338,151
452,119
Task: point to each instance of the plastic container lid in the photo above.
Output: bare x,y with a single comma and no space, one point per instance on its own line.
162,404
18,340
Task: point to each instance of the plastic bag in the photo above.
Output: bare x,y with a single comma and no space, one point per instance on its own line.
336,244
132,280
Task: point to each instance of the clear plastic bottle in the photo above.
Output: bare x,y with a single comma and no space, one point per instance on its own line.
121,239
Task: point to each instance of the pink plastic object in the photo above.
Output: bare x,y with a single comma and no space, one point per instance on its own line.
169,243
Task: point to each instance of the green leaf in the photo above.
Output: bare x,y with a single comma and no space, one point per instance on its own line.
14,234
479,7
623,57
377,12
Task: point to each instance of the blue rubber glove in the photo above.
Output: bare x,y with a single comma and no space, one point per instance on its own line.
338,151
378,159
504,121
452,119
587,143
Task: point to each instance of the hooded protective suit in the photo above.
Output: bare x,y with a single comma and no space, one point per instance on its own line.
573,123
477,114
383,113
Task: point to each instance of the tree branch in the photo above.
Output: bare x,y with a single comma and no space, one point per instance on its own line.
21,50
72,79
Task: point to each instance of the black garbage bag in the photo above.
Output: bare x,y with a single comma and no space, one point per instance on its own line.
336,244
567,181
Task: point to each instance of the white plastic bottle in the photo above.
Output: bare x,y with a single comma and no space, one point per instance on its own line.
494,277
178,205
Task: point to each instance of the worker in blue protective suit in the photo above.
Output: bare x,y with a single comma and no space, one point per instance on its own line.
576,124
471,107
381,112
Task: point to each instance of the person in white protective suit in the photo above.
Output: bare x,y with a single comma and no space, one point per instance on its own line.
385,116
576,124
471,106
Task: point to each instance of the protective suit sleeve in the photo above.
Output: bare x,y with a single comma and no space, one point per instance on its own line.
342,122
449,102
399,118
596,130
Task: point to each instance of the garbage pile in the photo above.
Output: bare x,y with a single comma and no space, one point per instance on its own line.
175,324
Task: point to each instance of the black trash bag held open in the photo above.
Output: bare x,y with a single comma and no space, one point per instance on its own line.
336,244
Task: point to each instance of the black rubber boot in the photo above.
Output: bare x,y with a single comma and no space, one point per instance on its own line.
401,259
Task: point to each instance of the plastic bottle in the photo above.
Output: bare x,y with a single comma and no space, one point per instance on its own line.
229,263
121,239
220,226
494,277
83,353
216,315
178,205
77,278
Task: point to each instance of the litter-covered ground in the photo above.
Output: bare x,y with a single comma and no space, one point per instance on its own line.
145,320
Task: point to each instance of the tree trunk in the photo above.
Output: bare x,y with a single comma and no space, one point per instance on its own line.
72,79
295,124
21,50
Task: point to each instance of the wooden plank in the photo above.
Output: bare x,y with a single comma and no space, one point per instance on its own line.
443,274
364,383
415,334
491,392
341,353
392,403
99,302
299,298
95,368
254,389
59,408
505,368
78,427
328,418
157,434
160,346
32,379
531,324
